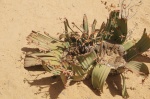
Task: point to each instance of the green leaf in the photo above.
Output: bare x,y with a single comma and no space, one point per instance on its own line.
78,70
85,24
138,68
141,46
67,24
121,30
87,59
116,28
32,61
101,30
99,76
85,33
93,30
93,26
65,64
124,89
50,61
46,37
80,74
67,34
52,69
47,67
53,53
128,45
66,28
43,42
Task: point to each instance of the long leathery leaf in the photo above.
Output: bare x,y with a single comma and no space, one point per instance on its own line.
40,44
124,89
138,67
128,45
101,30
93,26
78,70
85,24
43,37
66,28
32,61
93,29
80,74
99,76
48,63
67,23
50,68
141,46
53,53
43,42
46,67
87,60
116,28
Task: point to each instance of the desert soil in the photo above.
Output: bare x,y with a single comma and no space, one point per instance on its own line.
19,17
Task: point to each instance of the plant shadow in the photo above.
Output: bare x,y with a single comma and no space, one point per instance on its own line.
87,82
113,82
26,49
141,58
35,68
53,83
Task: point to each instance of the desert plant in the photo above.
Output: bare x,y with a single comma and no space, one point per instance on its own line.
103,52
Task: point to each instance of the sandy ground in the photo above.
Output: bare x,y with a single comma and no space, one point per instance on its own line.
19,17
